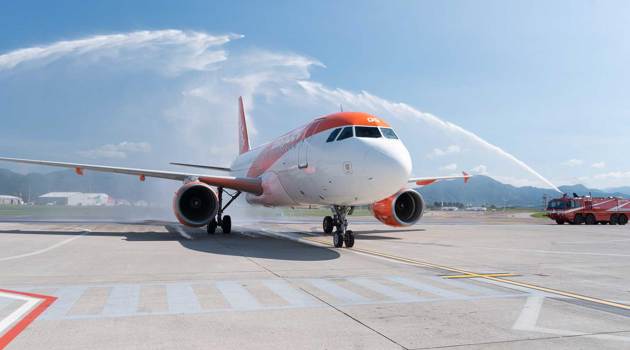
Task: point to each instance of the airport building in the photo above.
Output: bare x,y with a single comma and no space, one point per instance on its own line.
75,199
10,200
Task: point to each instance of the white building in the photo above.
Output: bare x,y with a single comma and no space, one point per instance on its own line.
10,200
75,199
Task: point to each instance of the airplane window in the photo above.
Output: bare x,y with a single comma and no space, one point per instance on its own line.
333,134
346,133
389,133
367,131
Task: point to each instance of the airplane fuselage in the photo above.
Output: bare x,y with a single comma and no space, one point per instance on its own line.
364,162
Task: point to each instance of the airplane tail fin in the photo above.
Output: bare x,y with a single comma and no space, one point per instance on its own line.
243,138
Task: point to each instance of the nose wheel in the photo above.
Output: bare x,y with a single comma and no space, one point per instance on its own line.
342,235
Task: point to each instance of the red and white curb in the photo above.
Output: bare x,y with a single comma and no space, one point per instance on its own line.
13,324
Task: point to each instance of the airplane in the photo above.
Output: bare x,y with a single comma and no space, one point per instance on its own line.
341,161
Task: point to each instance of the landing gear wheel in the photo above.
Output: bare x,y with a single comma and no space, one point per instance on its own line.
623,219
338,240
579,219
614,219
212,227
590,219
349,239
560,222
328,225
226,224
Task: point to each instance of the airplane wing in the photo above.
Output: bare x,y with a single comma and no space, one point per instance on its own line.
244,184
424,181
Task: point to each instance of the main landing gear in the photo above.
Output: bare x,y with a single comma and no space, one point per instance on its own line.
338,221
225,222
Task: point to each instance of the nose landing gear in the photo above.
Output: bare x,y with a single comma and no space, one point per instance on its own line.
225,222
342,234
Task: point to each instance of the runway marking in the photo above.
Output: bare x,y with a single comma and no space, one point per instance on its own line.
41,251
291,295
66,298
237,296
425,287
122,300
182,299
33,306
481,276
337,291
465,285
383,289
528,319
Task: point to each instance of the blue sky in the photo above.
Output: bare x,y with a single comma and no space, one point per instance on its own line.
545,81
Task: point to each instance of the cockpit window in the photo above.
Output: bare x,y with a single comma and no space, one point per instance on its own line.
389,133
333,134
367,131
346,133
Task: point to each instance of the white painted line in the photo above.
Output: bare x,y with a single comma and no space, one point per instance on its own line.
344,295
385,290
29,304
237,296
66,298
122,300
528,319
41,251
182,299
426,287
292,295
529,315
469,286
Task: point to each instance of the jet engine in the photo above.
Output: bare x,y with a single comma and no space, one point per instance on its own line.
195,204
404,208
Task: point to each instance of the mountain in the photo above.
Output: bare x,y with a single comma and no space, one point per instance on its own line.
623,189
483,190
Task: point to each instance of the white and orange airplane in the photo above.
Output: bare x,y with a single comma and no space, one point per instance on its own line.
341,160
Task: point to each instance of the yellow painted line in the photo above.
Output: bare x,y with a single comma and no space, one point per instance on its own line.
482,275
490,278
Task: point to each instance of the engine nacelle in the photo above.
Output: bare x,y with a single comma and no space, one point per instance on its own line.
195,204
404,208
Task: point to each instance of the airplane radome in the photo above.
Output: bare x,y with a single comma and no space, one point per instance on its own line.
340,161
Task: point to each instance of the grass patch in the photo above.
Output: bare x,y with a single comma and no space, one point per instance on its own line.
539,215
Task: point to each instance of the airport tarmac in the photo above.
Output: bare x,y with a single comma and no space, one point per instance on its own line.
465,282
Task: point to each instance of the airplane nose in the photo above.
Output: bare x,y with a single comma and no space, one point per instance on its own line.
392,163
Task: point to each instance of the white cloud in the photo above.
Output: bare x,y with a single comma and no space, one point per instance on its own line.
119,151
437,152
613,175
480,169
573,162
449,167
598,165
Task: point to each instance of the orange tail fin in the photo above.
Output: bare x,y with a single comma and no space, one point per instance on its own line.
243,138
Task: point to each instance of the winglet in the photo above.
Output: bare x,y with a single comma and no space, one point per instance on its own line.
243,138
466,176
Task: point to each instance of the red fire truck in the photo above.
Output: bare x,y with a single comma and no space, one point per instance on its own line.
589,210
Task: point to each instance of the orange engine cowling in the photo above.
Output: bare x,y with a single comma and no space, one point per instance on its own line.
195,204
404,208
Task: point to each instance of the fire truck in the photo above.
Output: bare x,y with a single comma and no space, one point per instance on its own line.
589,210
